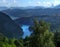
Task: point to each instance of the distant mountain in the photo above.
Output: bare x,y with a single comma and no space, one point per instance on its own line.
53,20
29,20
57,7
8,27
17,12
28,7
3,8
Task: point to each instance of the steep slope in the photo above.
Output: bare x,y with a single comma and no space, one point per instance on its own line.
8,27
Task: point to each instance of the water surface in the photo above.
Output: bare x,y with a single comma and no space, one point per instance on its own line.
26,31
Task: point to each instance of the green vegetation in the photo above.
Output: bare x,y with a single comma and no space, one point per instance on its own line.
5,42
41,36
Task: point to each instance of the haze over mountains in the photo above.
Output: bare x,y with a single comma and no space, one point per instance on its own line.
20,14
58,6
3,8
16,12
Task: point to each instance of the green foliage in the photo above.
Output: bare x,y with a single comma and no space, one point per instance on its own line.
57,37
41,36
5,42
19,43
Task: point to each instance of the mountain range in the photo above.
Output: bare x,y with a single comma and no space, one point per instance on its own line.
15,13
3,8
8,27
26,15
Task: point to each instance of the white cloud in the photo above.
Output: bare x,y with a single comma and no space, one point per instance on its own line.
45,4
56,2
38,3
10,3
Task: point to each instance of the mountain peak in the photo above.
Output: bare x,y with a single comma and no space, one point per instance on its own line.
58,6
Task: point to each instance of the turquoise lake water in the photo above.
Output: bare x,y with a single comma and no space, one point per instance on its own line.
26,31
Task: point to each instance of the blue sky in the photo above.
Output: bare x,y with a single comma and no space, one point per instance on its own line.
25,3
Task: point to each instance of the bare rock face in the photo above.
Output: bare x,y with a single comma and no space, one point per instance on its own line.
8,27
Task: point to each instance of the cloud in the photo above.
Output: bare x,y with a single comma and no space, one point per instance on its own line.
56,2
10,3
45,4
38,3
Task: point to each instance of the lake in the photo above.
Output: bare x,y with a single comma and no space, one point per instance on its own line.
26,30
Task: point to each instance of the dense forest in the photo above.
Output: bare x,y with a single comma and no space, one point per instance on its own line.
41,36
